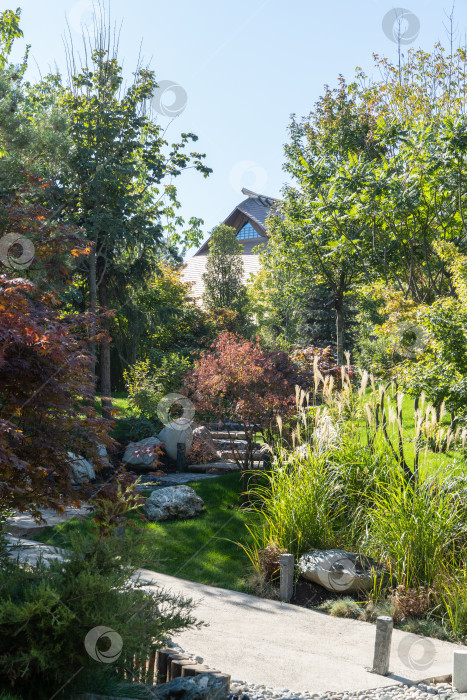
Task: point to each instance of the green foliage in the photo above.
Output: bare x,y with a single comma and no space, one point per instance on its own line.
219,561
9,31
151,379
223,285
133,429
350,484
47,611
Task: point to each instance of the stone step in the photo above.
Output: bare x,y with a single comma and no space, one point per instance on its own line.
225,435
228,454
220,467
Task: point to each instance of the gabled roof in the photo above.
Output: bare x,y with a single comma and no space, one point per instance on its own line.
254,209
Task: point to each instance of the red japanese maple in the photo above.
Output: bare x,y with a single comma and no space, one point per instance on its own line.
240,381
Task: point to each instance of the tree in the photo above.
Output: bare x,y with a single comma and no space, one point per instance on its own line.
119,181
223,279
312,230
46,407
238,380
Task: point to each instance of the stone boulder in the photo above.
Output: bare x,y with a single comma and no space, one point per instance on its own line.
172,434
340,571
202,687
203,435
142,454
173,503
83,471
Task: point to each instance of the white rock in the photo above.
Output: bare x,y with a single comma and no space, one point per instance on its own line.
83,471
339,571
141,454
173,502
173,434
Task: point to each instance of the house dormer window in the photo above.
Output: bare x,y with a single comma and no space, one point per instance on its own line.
247,232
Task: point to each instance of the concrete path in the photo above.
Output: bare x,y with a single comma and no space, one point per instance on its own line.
284,646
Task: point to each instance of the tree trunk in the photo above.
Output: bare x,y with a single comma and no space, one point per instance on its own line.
340,331
93,303
106,388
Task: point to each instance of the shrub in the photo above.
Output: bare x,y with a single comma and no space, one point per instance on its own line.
152,378
47,611
238,380
47,398
133,429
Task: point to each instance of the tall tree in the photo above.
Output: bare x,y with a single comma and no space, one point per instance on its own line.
223,279
119,182
313,230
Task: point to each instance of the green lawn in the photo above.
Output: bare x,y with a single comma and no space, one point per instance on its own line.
203,549
433,462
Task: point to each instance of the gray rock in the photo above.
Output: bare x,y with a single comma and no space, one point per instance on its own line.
202,687
141,454
173,434
202,434
173,503
83,471
340,571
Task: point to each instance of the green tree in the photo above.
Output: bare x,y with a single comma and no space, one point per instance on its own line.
119,183
223,279
313,231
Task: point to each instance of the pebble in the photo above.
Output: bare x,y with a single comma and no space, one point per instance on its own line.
242,690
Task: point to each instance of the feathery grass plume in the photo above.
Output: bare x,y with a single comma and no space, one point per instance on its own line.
464,435
442,411
347,359
449,438
279,424
363,384
297,396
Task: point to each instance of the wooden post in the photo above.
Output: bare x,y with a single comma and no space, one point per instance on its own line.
383,637
176,667
287,577
161,664
181,455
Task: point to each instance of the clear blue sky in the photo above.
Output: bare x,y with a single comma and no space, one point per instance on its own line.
245,65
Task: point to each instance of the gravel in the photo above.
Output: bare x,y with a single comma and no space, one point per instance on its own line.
241,690
422,691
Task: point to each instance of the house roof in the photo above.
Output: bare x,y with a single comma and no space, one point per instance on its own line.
254,209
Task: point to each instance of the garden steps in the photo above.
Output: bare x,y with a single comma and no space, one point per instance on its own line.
225,435
223,467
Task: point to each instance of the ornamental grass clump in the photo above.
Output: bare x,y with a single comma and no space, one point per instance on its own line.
356,475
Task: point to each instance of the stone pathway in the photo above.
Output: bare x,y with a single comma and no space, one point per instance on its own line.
154,482
23,524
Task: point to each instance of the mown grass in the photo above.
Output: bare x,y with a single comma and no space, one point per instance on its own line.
203,549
